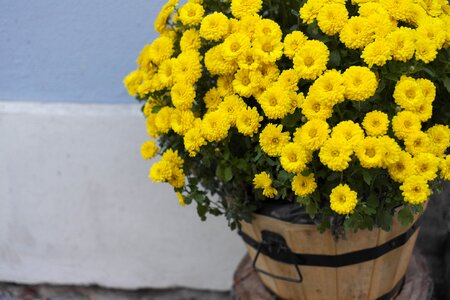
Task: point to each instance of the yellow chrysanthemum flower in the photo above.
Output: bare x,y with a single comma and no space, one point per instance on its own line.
132,82
336,154
370,152
193,141
268,28
249,60
311,59
332,18
173,158
182,121
234,45
217,64
231,106
357,33
248,121
292,42
376,123
303,185
348,131
417,142
177,179
150,124
212,99
377,53
275,102
247,25
310,10
246,82
289,79
360,83
149,150
392,150
296,101
445,168
165,72
242,8
428,89
160,50
214,27
424,111
190,40
263,181
183,95
191,13
408,93
433,31
294,158
439,136
329,87
225,85
214,126
405,123
415,189
163,118
343,200
312,134
425,51
426,165
267,48
315,108
272,139
402,43
402,168
187,67
161,171
164,15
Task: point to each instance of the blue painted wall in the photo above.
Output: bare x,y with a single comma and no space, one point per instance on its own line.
72,50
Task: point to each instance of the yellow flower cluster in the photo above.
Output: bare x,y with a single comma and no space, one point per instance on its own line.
377,32
237,58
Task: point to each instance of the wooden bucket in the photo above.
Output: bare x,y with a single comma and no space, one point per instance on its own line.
313,266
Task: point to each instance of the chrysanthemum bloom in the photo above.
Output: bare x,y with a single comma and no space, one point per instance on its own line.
182,121
242,8
405,123
296,101
376,123
164,15
193,141
249,60
267,48
190,40
391,149
315,108
162,119
426,165
332,18
132,82
177,179
310,10
166,71
370,152
415,189
433,31
402,43
183,95
173,158
425,51
263,181
343,200
217,64
336,154
292,42
417,142
214,126
275,102
234,45
248,121
244,84
357,33
150,124
246,25
403,168
214,27
268,28
225,85
329,87
349,131
289,79
160,50
294,158
428,89
191,13
149,150
408,93
272,140
312,135
187,67
231,107
303,185
360,83
311,59
440,139
160,171
212,99
377,53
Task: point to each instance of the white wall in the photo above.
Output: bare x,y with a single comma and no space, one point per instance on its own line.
76,205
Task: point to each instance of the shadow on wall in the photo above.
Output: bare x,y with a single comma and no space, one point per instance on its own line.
434,241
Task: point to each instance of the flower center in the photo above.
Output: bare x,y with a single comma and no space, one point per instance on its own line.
370,152
309,61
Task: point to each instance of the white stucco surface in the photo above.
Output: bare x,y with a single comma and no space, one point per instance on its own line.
76,205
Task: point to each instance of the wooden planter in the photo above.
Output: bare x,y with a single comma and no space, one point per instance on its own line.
313,266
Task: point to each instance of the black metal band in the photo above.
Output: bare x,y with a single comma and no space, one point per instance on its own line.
283,254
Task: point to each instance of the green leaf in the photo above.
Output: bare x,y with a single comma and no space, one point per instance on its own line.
228,174
366,176
405,216
372,201
447,83
311,209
